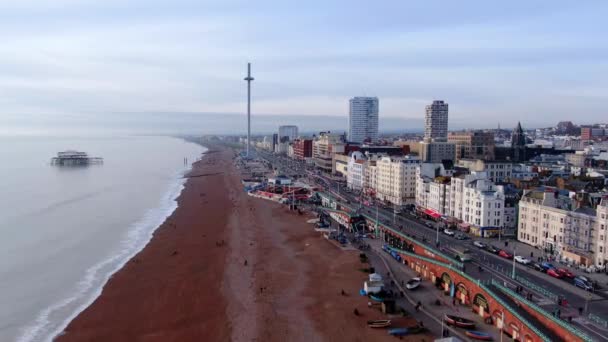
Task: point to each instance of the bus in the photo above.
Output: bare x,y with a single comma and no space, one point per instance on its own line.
462,254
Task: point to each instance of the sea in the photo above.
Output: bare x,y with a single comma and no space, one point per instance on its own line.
65,230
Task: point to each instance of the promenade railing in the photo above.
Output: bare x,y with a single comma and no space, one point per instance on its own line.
529,284
542,311
598,320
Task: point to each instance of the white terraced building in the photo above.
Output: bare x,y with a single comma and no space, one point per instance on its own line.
476,200
355,174
396,179
472,199
430,188
561,225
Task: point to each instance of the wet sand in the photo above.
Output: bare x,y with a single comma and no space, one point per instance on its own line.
229,267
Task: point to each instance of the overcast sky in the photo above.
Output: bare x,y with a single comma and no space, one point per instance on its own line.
535,61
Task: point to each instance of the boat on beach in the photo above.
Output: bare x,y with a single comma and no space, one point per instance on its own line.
399,331
478,335
459,322
413,283
380,323
376,298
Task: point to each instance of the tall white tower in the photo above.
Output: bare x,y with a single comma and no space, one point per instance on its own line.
436,122
363,119
248,79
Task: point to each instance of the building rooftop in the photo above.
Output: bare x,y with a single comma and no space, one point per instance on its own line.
585,210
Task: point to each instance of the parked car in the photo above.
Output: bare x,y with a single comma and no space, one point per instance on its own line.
538,267
583,278
583,283
492,249
428,224
522,260
565,273
547,265
479,244
505,254
553,272
448,232
461,236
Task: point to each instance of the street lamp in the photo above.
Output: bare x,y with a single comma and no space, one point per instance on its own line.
513,272
437,238
376,230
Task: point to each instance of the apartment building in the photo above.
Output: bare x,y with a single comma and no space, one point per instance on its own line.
563,225
324,147
478,202
497,171
472,200
396,179
473,144
355,176
431,188
302,149
363,119
371,177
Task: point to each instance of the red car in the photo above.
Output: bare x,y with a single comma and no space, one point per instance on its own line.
554,273
505,254
565,273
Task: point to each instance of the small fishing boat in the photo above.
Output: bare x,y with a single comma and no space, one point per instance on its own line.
380,323
398,331
459,322
478,335
413,283
376,298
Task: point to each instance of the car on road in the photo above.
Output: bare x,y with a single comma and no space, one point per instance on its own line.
479,244
565,273
428,224
462,254
461,236
522,260
537,267
553,272
505,254
448,232
547,266
492,249
583,283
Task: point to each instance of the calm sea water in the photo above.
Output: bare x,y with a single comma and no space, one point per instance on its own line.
65,230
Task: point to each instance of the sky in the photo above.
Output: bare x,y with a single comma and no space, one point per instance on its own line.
538,62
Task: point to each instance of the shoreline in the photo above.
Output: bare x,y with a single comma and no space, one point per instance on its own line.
102,307
225,266
98,291
50,322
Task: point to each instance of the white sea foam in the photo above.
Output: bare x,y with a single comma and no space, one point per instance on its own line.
46,327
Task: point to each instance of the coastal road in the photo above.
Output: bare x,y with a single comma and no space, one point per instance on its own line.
493,266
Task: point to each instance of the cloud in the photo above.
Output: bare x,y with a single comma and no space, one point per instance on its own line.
490,61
